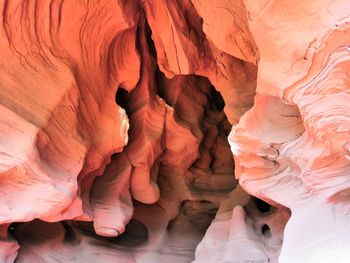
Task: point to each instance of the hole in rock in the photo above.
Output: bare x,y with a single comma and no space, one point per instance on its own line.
261,205
217,99
122,97
12,228
265,230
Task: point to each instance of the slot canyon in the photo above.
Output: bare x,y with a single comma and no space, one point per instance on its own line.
175,131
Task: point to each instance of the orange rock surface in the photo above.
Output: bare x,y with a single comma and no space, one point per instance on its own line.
165,131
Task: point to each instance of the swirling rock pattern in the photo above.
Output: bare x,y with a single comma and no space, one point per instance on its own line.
174,131
291,148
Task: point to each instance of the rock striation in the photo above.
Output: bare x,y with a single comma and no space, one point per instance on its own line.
168,131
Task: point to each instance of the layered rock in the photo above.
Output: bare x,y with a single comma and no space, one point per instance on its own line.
291,147
114,124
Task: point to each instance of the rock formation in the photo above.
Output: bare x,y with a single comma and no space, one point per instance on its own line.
166,131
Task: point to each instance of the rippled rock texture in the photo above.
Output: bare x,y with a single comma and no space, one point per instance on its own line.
161,131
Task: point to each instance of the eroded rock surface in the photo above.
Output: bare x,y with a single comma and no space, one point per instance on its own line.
174,131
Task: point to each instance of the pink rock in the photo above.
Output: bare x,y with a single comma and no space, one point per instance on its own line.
174,131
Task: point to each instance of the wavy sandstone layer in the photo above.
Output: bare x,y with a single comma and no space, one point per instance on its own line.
151,131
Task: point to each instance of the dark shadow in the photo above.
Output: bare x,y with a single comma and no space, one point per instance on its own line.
122,97
135,234
261,205
265,230
217,99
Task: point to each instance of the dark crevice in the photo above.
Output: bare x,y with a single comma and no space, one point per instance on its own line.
261,205
217,99
265,230
135,234
160,78
122,97
70,234
150,43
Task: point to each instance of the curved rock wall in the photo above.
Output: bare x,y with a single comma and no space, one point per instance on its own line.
174,131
